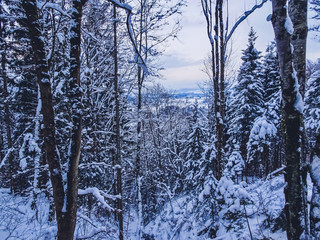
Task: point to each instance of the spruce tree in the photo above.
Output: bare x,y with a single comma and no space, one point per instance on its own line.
312,107
246,100
195,147
264,143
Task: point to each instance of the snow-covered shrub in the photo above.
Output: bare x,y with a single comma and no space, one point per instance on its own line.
231,199
312,106
261,137
270,202
206,207
235,166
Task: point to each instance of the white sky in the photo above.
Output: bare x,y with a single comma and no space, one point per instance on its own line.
183,59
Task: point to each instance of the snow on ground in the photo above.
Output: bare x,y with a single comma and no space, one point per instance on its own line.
178,220
18,219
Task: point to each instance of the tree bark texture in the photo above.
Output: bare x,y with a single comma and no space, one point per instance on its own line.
215,24
117,128
66,227
65,202
298,15
6,103
291,121
42,69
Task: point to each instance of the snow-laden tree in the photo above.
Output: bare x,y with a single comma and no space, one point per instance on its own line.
231,210
262,136
246,100
272,100
235,166
312,107
20,92
271,80
195,147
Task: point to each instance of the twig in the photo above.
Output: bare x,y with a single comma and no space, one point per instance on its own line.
245,212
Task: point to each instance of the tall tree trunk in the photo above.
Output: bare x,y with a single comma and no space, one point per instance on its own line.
67,226
138,156
216,60
298,15
218,56
65,202
6,103
221,112
117,127
42,69
139,124
291,120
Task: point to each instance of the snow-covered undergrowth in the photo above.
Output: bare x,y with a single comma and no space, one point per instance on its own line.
243,209
19,219
27,219
255,207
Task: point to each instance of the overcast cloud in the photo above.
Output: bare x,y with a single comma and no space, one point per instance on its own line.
183,59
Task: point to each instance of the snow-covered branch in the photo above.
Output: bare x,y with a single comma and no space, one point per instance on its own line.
128,10
100,196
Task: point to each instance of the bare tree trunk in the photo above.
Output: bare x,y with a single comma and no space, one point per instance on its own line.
67,225
218,54
213,25
6,104
291,120
138,156
298,15
221,111
65,202
117,127
139,126
42,69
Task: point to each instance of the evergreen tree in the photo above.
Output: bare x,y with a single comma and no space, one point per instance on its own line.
272,97
264,146
246,100
195,148
312,107
262,135
235,166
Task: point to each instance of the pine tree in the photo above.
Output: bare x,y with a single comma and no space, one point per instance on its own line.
312,107
262,135
264,146
272,89
246,100
195,148
235,166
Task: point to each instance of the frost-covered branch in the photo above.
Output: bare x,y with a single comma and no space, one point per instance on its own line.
13,146
93,233
128,10
208,15
53,6
100,196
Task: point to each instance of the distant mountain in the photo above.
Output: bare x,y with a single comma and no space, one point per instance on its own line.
188,93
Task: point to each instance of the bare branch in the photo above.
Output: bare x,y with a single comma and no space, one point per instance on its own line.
244,17
128,9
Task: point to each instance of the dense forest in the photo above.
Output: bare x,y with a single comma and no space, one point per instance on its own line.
91,147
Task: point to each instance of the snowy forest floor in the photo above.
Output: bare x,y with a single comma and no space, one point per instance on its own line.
181,217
